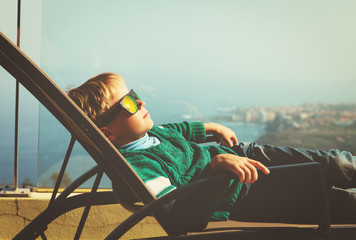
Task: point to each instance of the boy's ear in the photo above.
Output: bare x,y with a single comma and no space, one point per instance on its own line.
108,133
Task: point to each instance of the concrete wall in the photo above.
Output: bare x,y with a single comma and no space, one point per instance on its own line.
16,213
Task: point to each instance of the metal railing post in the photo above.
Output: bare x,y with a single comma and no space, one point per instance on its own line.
16,144
16,191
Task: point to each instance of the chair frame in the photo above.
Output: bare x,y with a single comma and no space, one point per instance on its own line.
113,164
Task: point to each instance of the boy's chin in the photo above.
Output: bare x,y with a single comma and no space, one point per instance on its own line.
151,126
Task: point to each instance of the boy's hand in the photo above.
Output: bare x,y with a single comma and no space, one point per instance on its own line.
225,135
243,167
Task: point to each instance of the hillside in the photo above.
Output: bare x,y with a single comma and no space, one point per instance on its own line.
323,138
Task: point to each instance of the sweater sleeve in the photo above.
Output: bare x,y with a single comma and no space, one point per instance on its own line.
191,131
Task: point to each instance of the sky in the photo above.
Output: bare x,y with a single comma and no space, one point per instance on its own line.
207,54
198,55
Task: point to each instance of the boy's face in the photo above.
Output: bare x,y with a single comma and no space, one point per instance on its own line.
125,127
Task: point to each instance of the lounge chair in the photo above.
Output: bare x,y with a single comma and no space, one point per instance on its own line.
113,164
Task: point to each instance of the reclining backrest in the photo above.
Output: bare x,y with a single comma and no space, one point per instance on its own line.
73,119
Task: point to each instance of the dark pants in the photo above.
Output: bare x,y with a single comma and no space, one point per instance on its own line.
263,201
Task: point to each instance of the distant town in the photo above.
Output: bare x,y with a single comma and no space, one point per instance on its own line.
309,115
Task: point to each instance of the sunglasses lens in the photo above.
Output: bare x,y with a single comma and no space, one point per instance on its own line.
130,104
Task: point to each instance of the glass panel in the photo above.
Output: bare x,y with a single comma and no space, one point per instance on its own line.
28,105
28,139
235,62
30,37
7,126
8,13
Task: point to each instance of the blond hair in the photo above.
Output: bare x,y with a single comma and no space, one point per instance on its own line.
94,96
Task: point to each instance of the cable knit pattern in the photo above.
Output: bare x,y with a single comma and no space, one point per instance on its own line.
177,160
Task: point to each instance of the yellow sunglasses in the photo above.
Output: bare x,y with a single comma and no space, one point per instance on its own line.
127,102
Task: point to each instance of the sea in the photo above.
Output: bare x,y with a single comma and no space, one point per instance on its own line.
246,132
40,169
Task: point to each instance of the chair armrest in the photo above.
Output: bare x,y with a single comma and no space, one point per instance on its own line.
211,138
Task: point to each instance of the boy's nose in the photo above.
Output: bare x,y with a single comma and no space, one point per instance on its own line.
141,104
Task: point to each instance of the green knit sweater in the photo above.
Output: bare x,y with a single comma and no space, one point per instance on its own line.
178,160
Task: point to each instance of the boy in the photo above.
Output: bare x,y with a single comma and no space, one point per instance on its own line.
168,156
